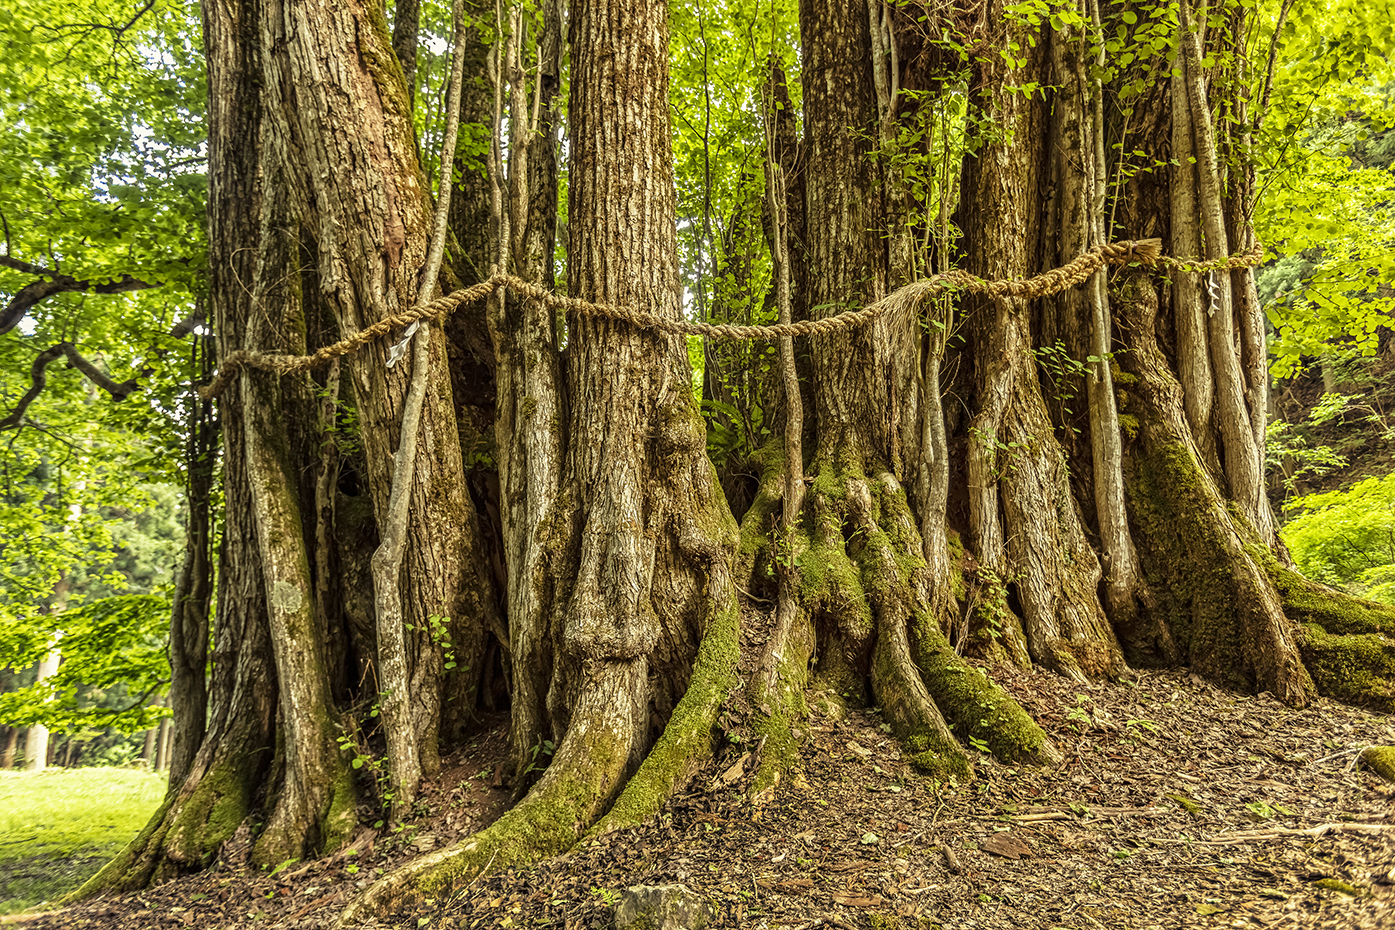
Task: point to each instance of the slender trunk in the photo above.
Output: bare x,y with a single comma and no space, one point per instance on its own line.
309,814
148,750
530,413
36,741
402,735
1023,519
193,594
163,745
7,758
1081,316
1243,459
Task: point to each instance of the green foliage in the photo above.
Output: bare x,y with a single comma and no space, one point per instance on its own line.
1323,158
1346,538
60,826
101,123
114,644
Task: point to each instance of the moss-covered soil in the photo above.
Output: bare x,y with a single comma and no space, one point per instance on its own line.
1176,805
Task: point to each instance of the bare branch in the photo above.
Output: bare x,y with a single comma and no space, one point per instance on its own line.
52,283
38,378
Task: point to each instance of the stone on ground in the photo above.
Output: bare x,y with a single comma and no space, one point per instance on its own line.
662,907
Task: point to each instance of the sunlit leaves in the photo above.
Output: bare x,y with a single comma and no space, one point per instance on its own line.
1347,538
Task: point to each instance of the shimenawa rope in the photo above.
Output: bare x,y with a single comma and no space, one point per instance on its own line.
1143,251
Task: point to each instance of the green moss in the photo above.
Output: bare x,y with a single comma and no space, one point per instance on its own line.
1381,760
1189,567
1128,425
1186,803
752,556
215,810
687,738
342,816
1355,668
1309,602
830,583
976,707
787,709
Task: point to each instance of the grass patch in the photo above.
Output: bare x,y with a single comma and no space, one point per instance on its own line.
58,827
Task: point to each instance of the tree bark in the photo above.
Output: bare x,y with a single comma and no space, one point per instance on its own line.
193,593
637,540
1023,521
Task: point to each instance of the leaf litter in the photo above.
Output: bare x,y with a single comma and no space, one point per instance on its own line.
1177,804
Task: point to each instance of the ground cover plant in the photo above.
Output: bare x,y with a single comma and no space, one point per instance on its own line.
60,826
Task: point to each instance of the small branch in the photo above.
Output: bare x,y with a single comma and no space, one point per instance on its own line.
54,283
1269,66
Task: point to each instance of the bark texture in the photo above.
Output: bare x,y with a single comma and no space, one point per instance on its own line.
1024,524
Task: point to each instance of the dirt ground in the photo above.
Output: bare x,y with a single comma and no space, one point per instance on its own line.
1177,805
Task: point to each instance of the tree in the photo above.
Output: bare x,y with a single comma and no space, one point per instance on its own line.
1129,530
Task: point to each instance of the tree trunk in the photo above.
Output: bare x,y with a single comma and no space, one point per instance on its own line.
7,758
641,608
1024,524
148,753
1217,608
865,580
314,810
193,590
355,168
37,739
233,761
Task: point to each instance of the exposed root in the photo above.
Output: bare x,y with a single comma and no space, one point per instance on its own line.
686,742
586,773
978,708
777,692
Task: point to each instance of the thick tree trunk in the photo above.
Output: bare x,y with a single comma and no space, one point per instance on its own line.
358,183
875,606
315,807
1023,520
641,625
1217,608
233,761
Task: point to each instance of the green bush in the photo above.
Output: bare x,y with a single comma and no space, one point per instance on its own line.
1346,538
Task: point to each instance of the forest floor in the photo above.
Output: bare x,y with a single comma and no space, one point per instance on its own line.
1177,805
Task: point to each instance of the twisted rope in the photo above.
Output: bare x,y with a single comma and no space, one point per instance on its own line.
1143,251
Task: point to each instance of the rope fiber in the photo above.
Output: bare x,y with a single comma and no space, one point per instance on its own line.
1146,252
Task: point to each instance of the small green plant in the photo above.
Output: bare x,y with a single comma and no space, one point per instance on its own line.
540,750
360,757
1064,372
1079,714
979,744
607,896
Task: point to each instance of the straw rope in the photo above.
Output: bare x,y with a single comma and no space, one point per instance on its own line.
1144,251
